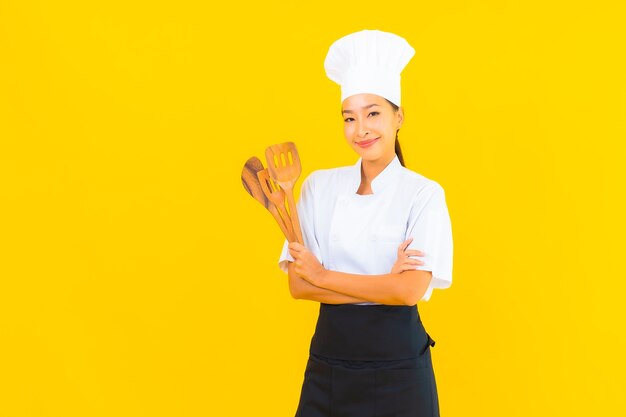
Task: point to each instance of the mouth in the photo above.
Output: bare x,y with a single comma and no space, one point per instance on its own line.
367,143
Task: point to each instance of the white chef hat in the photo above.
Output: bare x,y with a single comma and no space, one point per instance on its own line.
369,61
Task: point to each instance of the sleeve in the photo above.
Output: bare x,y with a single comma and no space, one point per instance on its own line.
304,205
429,225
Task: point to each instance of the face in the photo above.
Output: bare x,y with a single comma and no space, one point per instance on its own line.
367,117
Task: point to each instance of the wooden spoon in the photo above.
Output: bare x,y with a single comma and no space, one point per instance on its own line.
285,171
276,196
253,187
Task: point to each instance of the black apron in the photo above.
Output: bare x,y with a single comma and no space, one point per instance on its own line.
369,361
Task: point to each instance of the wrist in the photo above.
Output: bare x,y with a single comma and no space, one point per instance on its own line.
321,278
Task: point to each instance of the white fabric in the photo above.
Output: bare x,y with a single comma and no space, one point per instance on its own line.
369,61
360,234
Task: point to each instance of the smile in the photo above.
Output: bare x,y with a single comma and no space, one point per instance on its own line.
367,143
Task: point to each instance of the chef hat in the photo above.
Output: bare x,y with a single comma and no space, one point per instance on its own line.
369,61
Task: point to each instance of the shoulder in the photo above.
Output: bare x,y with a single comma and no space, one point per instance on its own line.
419,186
326,177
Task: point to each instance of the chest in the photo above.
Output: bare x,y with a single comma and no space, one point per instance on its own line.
361,233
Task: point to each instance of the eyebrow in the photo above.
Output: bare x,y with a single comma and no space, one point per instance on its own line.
364,107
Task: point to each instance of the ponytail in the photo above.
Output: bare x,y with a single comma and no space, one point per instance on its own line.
399,150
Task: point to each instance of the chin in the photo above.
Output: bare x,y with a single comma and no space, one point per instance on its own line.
371,156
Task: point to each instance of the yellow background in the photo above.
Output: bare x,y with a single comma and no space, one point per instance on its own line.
138,278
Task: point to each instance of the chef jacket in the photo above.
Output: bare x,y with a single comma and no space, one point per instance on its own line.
360,234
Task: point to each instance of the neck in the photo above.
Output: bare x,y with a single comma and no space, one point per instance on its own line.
371,168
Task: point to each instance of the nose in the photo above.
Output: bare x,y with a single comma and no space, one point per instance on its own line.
363,130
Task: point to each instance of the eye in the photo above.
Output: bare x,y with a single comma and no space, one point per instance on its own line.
375,112
348,119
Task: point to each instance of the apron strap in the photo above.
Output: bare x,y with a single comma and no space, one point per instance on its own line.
431,342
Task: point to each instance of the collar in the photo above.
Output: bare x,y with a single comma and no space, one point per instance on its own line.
388,176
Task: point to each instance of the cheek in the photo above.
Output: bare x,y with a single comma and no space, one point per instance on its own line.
382,126
348,131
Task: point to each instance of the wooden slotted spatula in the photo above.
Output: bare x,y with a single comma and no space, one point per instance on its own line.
253,187
278,197
283,163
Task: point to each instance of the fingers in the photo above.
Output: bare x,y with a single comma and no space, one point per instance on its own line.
300,252
405,244
410,265
408,268
402,249
409,261
297,256
406,264
298,247
399,268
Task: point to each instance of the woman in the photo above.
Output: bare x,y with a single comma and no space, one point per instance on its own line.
362,226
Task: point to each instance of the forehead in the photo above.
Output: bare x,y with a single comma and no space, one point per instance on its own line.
362,101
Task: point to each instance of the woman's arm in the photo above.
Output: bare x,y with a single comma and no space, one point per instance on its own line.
302,289
404,288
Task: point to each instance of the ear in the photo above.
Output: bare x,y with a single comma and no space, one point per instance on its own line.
400,117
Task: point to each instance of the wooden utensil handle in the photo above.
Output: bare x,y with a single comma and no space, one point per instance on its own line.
274,200
281,223
295,220
287,221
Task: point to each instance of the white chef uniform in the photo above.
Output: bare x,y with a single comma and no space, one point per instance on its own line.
360,234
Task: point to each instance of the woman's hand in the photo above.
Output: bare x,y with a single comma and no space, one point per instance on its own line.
306,263
404,263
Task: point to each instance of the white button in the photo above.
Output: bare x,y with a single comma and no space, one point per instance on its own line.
372,237
335,236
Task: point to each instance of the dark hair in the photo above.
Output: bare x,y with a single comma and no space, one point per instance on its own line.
398,149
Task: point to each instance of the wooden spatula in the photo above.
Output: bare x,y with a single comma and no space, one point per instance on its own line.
284,166
276,196
253,187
